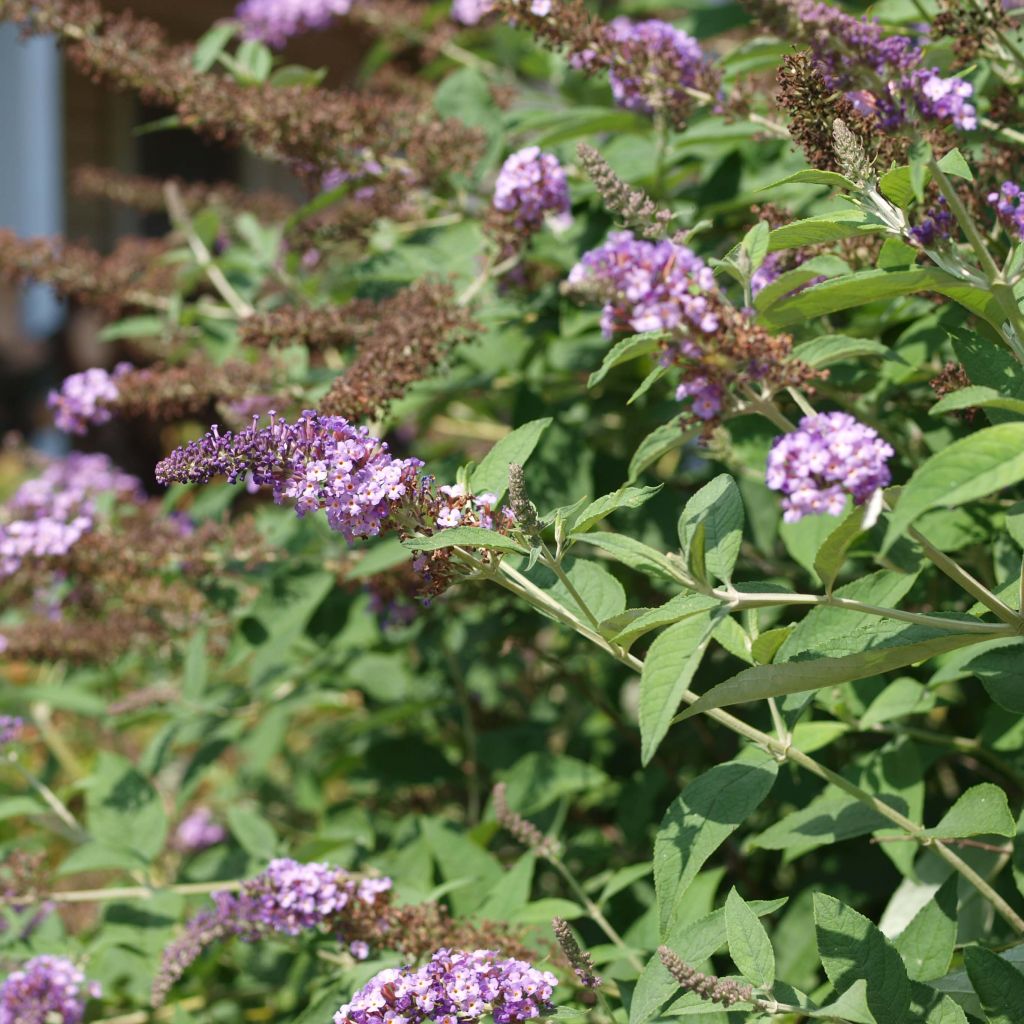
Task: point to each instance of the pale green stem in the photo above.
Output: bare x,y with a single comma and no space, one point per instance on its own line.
508,577
54,802
140,892
1000,288
183,222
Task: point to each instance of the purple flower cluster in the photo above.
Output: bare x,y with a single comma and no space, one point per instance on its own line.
319,462
275,21
47,515
85,398
655,59
462,509
10,729
706,396
198,831
936,224
46,989
943,99
290,898
830,456
530,186
646,286
769,271
453,987
847,48
1009,207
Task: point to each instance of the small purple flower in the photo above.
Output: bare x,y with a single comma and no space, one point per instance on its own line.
1009,207
646,286
319,462
471,12
10,727
936,224
531,185
453,987
46,989
830,456
943,99
198,831
84,399
49,514
655,59
275,21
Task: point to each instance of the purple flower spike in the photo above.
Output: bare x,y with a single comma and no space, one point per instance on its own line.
646,286
46,989
530,186
653,44
1009,207
453,987
319,462
275,21
830,456
84,399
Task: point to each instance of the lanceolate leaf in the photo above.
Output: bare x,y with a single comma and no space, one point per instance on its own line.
668,669
763,681
977,397
973,467
628,497
465,536
682,606
633,347
492,473
749,945
1000,986
718,507
700,819
836,348
852,949
657,443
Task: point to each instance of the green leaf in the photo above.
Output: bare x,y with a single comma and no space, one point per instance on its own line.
668,668
633,553
1000,986
134,327
122,809
512,893
657,443
896,186
647,383
918,644
681,606
766,646
700,819
539,779
926,944
603,594
297,74
492,473
852,949
809,176
982,810
749,945
253,59
211,44
973,467
384,555
825,227
954,163
851,1006
831,556
18,806
755,245
817,266
896,254
196,670
999,670
253,832
622,351
837,348
465,536
989,365
718,508
920,155
865,286
976,396
601,508
320,1009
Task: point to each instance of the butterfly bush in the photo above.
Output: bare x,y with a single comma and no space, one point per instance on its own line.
830,456
198,830
452,987
658,63
84,398
530,187
276,21
49,514
318,462
46,990
1009,207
